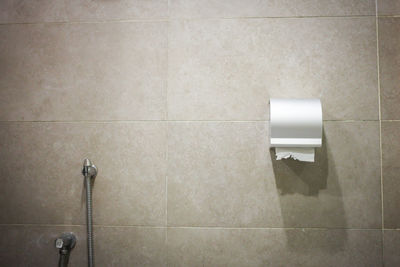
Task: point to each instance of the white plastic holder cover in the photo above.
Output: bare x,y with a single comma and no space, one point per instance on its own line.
295,122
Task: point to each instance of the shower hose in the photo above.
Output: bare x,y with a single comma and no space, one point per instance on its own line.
89,172
89,220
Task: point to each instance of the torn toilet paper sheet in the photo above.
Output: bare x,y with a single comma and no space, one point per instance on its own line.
297,153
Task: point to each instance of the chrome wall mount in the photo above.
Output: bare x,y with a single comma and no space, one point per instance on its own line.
65,243
89,169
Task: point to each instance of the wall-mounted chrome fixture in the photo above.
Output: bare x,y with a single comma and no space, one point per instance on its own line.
65,243
89,171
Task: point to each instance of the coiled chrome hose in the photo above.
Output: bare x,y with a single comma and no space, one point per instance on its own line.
90,172
89,221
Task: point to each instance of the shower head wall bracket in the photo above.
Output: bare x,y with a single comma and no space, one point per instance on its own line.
89,169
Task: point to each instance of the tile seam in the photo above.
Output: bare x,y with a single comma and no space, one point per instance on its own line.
380,130
166,19
388,16
139,121
198,227
167,141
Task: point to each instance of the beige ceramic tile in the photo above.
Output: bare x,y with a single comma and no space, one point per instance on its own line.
130,246
391,172
114,246
391,247
228,69
221,174
389,62
32,11
273,247
116,9
269,8
89,71
389,7
41,180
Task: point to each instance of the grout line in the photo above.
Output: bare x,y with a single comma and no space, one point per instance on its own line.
78,225
388,16
139,121
165,19
198,227
167,139
272,228
166,175
268,17
380,128
85,21
166,192
167,130
41,224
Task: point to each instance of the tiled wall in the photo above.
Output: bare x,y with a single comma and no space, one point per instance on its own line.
170,99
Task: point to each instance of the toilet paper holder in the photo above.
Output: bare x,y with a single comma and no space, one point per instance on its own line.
296,124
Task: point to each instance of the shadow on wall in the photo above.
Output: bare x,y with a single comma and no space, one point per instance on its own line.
305,178
310,197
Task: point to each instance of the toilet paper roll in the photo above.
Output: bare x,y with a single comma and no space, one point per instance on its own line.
297,153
